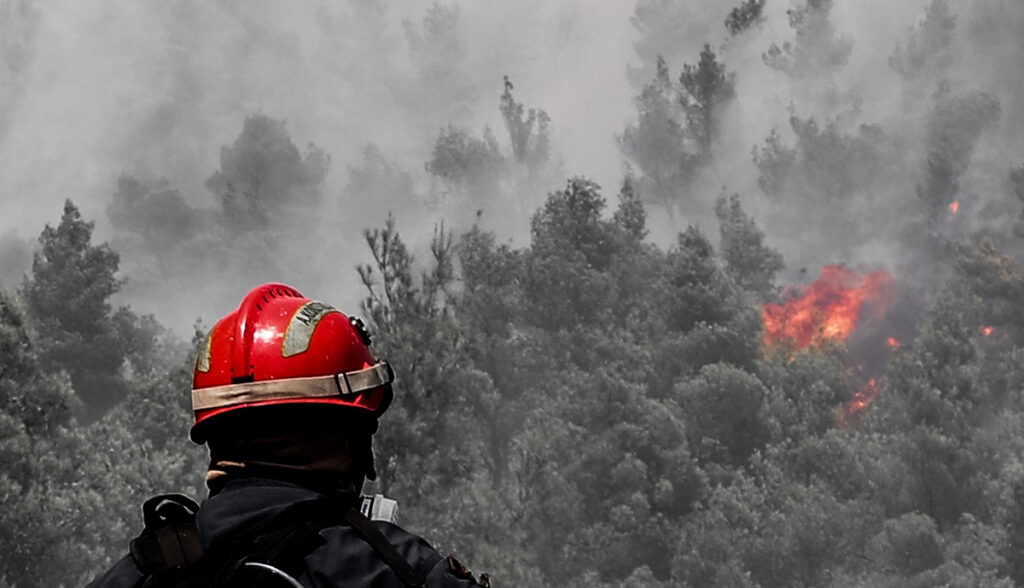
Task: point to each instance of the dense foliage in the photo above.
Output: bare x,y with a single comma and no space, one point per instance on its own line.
587,410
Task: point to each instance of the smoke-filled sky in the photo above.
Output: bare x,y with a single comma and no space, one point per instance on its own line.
92,90
98,88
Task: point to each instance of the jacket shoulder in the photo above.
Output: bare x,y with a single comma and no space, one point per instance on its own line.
345,559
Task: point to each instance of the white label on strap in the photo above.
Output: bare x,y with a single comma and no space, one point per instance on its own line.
303,324
379,508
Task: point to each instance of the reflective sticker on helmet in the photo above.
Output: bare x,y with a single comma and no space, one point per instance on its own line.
301,327
203,360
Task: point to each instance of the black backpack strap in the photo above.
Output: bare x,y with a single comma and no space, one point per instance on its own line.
168,553
168,550
287,546
387,552
170,539
285,539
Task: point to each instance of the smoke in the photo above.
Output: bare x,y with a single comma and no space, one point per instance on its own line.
105,99
15,259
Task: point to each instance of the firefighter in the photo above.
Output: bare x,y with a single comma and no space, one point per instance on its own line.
286,395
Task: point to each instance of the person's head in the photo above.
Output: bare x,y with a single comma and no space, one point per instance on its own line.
287,387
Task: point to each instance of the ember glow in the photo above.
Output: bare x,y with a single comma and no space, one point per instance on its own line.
954,207
987,330
892,342
850,414
827,310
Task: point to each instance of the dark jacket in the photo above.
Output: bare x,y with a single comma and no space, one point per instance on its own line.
344,559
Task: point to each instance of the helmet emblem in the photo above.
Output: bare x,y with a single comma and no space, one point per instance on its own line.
203,360
303,324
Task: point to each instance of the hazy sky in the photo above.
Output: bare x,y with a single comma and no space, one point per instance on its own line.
97,88
93,89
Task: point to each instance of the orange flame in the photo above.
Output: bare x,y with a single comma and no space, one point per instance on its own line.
892,342
954,207
827,310
851,414
987,330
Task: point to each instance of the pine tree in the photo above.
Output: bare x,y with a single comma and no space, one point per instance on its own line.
706,89
725,409
748,261
657,143
263,175
745,16
927,53
701,293
631,215
817,50
465,161
155,214
571,250
68,296
955,125
677,126
528,130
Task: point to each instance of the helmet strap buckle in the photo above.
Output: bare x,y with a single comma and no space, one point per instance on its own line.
344,386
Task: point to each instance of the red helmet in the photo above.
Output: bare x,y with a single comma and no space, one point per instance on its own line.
282,348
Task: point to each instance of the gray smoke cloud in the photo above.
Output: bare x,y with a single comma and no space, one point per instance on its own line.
96,93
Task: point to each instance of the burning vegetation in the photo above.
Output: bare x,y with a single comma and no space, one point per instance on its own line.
826,313
827,310
850,414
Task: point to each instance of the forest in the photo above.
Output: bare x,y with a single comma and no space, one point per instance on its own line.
797,362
